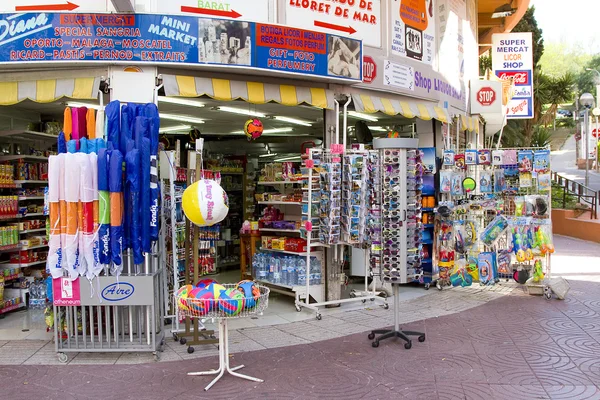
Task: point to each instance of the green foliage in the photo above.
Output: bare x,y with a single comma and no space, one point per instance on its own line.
562,57
587,80
485,63
541,137
529,24
557,198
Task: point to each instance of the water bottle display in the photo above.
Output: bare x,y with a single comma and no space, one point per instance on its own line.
286,270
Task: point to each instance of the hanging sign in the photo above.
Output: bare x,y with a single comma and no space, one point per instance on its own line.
512,59
176,39
255,10
413,29
359,19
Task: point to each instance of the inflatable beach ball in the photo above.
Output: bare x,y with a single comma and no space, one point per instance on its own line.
200,300
203,283
251,293
182,295
205,203
231,302
253,128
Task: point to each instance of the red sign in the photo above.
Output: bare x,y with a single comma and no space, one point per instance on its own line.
486,96
369,69
595,132
68,6
519,77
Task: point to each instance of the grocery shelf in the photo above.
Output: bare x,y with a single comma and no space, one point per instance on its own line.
12,308
22,265
279,230
34,247
31,215
16,157
23,198
279,182
12,277
33,230
9,248
284,252
293,203
13,216
30,182
27,135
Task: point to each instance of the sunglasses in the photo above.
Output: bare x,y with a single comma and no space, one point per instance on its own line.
390,259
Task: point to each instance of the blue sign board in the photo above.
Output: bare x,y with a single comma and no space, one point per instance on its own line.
170,39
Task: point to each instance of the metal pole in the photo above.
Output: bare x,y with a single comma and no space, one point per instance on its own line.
587,147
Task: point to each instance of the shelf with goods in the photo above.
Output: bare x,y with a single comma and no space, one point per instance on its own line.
429,204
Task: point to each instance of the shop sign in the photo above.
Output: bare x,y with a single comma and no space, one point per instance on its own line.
413,29
486,97
359,19
512,58
176,39
255,10
369,69
398,75
11,6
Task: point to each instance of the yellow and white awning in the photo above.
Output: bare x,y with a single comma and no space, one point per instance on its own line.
407,108
470,124
252,92
48,90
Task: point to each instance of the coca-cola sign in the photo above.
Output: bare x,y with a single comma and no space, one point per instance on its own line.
519,77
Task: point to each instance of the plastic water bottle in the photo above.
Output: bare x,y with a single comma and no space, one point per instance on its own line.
301,272
285,280
292,273
277,270
271,266
315,271
262,267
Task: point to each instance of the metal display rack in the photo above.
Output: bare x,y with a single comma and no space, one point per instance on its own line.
316,157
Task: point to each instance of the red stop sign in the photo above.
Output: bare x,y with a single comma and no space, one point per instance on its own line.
369,69
486,96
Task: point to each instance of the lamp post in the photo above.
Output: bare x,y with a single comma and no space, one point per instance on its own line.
587,101
597,84
596,112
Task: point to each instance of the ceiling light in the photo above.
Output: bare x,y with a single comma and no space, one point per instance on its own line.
181,118
358,115
181,101
178,128
288,159
268,155
293,121
504,10
241,111
275,130
378,128
88,105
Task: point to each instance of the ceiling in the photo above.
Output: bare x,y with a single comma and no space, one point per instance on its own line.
487,25
219,127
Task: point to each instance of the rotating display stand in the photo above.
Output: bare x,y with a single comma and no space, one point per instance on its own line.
223,309
400,250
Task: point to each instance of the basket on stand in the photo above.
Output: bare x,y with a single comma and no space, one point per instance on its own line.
223,309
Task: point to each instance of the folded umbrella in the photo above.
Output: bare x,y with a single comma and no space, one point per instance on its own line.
115,186
72,183
54,261
151,112
61,143
99,131
86,227
132,162
103,207
90,120
68,123
113,122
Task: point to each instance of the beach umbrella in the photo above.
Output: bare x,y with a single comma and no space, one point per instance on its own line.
72,183
86,226
151,112
61,143
113,122
132,167
95,267
54,261
99,131
68,123
90,120
103,207
115,187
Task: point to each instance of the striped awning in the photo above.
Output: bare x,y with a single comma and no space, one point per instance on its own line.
252,92
48,90
407,108
470,124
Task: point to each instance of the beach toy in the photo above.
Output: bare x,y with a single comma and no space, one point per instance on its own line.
182,295
231,302
202,300
215,289
205,203
251,293
203,283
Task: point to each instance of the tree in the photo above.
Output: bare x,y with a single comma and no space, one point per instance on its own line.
529,24
587,80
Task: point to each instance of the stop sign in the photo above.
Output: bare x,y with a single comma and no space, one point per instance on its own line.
369,69
486,96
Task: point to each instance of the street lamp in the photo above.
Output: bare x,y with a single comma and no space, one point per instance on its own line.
587,102
597,84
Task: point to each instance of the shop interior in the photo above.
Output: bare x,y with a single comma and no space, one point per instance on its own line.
242,163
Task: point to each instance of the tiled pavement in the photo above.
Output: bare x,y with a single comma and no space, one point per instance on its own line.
515,347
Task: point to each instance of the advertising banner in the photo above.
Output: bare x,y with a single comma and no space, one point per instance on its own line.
413,29
176,39
255,10
359,19
512,58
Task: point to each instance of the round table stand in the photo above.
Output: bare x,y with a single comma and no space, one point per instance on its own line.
224,359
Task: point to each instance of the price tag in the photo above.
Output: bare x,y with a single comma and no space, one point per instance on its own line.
336,149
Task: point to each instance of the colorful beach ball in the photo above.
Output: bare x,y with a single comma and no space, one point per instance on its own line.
205,203
182,295
251,293
202,301
215,289
203,283
231,302
253,128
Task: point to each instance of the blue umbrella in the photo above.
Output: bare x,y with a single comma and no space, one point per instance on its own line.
104,207
151,111
115,186
132,163
113,122
142,143
62,143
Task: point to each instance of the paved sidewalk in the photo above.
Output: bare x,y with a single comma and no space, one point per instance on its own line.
516,347
563,162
